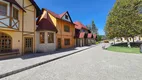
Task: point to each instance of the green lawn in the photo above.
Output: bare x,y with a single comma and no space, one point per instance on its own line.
124,49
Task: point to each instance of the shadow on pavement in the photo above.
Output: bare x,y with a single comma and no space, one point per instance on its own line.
34,55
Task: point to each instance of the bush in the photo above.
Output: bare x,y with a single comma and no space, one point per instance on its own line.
106,41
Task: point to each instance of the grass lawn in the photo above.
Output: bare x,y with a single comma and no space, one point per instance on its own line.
124,49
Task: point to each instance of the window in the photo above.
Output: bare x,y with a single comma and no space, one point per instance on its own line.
15,13
50,37
66,28
5,42
67,42
42,37
66,16
3,9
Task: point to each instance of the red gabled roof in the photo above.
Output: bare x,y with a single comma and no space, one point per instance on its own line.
79,25
53,14
59,16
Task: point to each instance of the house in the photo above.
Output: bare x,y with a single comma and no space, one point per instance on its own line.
45,33
65,28
17,26
81,34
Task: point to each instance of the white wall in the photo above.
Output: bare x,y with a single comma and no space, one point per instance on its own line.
46,47
65,18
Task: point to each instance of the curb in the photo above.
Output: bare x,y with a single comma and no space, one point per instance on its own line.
38,64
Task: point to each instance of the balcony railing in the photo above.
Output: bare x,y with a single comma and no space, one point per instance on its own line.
9,22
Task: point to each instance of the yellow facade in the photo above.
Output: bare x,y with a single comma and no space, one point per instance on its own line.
26,25
59,23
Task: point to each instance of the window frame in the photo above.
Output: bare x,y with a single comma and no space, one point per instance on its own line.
7,9
42,41
15,7
67,44
66,26
66,17
49,33
6,47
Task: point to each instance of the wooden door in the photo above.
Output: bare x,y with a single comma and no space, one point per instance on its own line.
28,45
59,43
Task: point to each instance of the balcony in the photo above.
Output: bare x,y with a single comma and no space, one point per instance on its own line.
9,15
9,22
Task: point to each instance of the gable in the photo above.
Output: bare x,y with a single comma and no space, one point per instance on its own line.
66,17
44,22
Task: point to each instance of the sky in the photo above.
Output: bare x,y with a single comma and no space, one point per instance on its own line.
81,10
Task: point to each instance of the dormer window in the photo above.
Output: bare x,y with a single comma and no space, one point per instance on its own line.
15,13
66,16
3,9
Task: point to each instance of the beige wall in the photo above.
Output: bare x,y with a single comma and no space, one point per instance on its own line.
46,47
29,17
16,39
28,26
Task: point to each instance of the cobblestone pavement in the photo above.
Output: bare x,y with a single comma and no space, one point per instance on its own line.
92,64
13,64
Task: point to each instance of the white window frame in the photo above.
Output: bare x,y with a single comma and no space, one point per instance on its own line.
8,7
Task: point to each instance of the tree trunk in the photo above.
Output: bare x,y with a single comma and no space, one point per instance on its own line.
133,40
114,40
128,43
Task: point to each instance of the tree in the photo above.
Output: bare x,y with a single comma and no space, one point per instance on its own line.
94,28
89,27
124,20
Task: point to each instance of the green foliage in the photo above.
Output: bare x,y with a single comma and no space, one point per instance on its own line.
124,20
89,27
94,28
99,37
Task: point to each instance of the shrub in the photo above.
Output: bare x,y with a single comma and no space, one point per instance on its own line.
106,41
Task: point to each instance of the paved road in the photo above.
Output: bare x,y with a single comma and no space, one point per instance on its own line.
92,64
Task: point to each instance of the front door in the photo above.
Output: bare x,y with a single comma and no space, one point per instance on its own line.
59,43
28,45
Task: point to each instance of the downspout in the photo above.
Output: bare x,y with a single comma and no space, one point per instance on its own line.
22,30
34,30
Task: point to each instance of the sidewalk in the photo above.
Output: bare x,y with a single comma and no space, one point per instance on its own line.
15,65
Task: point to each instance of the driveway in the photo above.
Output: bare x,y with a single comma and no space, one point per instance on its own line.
92,64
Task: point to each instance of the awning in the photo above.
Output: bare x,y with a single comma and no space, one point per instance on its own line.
80,35
95,36
90,35
15,3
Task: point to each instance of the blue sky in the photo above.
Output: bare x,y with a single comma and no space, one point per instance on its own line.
81,10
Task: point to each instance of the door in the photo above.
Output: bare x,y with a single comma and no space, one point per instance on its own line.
59,43
29,45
